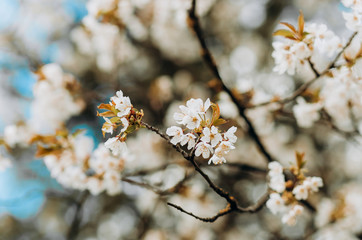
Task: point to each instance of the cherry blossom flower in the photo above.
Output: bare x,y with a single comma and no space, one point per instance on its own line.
190,139
176,133
230,134
277,183
211,136
125,124
218,157
198,106
291,217
306,113
275,169
313,183
300,192
203,148
108,126
225,146
275,203
123,104
117,147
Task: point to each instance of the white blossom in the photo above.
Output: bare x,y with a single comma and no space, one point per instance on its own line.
125,124
188,138
108,126
230,134
203,148
225,146
313,183
17,134
306,113
176,133
275,169
277,183
123,104
218,157
291,217
198,106
301,192
211,136
275,203
116,146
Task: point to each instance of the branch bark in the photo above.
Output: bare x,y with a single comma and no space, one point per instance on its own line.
194,23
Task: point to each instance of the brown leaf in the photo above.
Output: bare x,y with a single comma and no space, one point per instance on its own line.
284,33
290,26
219,121
105,106
301,23
106,114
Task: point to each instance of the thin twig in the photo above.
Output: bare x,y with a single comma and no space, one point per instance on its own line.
160,192
228,209
232,202
204,219
305,86
194,23
164,136
74,227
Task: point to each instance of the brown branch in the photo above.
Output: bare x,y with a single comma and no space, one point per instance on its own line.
232,202
74,227
204,219
194,23
305,86
228,209
167,138
170,190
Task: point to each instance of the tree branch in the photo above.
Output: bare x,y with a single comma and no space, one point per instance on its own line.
204,219
74,227
194,23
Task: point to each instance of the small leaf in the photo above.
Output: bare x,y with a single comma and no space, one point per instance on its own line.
42,151
106,114
44,139
105,106
219,121
215,112
301,23
300,159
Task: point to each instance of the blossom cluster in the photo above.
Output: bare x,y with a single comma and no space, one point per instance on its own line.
286,194
339,95
119,113
18,135
354,17
201,132
101,37
309,43
72,163
56,97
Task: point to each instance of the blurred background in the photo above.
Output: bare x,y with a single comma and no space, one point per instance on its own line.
153,56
